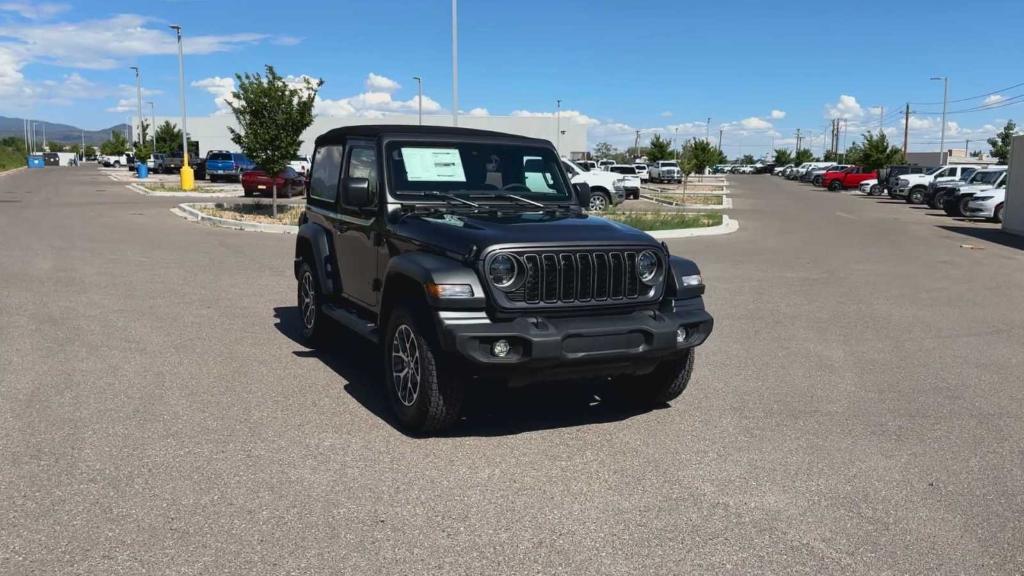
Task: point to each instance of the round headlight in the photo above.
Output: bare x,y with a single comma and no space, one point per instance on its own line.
502,271
647,266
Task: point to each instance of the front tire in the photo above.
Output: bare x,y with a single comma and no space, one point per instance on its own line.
309,299
915,196
599,202
997,214
835,186
662,385
874,191
962,206
425,392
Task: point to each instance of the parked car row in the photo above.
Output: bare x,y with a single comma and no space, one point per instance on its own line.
662,171
960,190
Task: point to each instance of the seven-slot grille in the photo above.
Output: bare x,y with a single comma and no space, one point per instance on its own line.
576,276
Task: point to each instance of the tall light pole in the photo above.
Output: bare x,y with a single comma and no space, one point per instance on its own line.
707,130
945,101
419,96
558,126
152,115
138,98
455,62
187,177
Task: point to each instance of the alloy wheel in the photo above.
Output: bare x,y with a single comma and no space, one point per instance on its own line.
405,365
598,203
307,300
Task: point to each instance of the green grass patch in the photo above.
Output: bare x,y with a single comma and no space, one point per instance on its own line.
257,212
694,199
10,159
651,221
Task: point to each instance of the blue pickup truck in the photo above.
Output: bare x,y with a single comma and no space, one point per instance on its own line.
224,165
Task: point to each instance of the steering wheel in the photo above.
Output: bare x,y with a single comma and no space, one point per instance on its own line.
516,188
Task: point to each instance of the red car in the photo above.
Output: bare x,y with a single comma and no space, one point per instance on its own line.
847,178
289,183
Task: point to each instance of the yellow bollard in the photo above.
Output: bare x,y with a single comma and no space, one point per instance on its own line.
188,178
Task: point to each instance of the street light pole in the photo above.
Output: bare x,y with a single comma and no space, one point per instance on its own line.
138,98
707,130
558,126
945,101
455,62
187,177
152,115
419,96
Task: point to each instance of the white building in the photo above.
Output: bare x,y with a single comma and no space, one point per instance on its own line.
211,132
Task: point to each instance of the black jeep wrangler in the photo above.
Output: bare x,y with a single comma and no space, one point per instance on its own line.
466,256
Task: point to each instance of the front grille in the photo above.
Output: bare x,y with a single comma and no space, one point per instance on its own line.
579,276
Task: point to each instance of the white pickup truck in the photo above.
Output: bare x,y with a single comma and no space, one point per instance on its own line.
606,188
665,171
914,187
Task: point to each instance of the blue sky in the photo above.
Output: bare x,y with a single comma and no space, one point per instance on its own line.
760,70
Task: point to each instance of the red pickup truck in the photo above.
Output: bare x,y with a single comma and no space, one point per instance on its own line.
847,178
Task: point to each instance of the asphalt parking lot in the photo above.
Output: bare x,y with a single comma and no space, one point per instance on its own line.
859,409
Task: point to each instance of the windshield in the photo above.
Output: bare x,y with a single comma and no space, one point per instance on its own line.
669,165
935,171
220,156
986,177
474,168
623,169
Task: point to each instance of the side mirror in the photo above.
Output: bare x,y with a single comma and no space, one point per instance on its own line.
582,194
355,192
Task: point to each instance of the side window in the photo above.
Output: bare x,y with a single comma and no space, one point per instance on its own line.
569,169
362,163
323,181
536,175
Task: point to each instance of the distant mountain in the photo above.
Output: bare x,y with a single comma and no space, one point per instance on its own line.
62,133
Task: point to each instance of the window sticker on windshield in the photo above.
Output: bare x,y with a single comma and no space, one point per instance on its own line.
433,165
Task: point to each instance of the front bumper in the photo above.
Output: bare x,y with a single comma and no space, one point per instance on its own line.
982,209
566,347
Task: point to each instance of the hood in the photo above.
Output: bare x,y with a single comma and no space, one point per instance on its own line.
458,232
975,189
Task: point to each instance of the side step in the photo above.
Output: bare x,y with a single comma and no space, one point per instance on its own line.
353,322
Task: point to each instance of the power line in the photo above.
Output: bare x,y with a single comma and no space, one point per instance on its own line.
1019,98
971,97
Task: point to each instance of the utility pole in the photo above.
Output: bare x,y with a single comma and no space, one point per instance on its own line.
797,141
152,114
44,136
845,130
967,148
138,97
455,63
187,176
720,130
881,121
24,132
906,129
707,129
636,145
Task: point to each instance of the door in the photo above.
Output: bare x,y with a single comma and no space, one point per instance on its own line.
355,233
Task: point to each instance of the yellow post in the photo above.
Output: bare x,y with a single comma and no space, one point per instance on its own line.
188,179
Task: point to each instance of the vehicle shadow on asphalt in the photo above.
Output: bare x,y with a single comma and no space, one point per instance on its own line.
994,235
489,410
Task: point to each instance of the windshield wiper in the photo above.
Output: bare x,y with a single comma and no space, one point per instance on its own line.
446,196
506,195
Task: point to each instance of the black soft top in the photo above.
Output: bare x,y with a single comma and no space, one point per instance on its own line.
339,135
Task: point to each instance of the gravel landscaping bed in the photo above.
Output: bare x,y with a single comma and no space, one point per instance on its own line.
257,212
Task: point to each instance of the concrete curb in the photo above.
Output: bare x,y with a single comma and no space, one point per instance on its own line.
728,226
726,202
13,170
145,192
188,212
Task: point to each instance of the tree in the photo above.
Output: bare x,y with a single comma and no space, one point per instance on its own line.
1001,143
877,153
76,148
659,149
747,159
783,156
803,155
830,156
116,146
90,151
853,154
53,146
603,150
271,117
142,153
144,128
698,155
168,138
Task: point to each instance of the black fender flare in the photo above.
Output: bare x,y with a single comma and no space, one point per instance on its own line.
317,240
424,268
679,267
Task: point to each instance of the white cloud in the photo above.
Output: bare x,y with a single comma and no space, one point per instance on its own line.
919,123
994,99
755,123
286,40
378,83
34,11
479,112
666,114
221,87
846,107
571,115
777,114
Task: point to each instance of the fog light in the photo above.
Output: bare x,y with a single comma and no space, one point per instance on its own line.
681,335
500,348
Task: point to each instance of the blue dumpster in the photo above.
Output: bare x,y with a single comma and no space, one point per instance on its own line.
142,170
36,161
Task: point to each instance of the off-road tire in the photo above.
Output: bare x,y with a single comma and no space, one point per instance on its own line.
662,385
437,401
997,214
310,297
